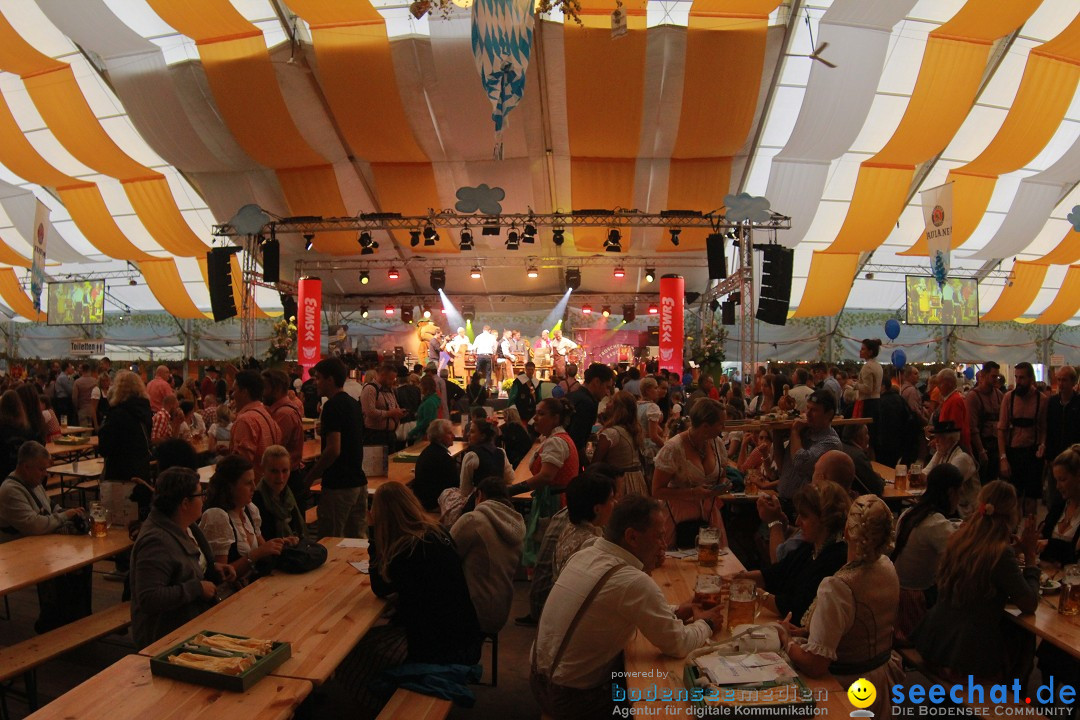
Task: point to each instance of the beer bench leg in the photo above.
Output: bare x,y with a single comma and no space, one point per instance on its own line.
30,678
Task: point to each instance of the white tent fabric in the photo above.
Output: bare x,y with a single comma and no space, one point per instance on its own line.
21,208
834,107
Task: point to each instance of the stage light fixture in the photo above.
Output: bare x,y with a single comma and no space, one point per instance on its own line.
389,309
628,313
437,279
573,278
414,237
650,274
392,273
430,235
532,272
558,236
466,239
365,277
407,313
714,304
367,245
674,237
528,235
133,282
476,273
468,312
606,311
427,313
309,240
513,240
363,311
613,242
619,272
653,310
586,309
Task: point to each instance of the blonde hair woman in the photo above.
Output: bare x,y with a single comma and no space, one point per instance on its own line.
979,574
620,444
124,438
414,557
848,630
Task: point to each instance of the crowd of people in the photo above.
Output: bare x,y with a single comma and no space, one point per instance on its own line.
624,466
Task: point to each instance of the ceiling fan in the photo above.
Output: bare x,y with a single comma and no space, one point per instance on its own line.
818,49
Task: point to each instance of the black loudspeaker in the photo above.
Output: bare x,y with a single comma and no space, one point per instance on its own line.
714,246
219,274
288,304
727,312
775,297
271,256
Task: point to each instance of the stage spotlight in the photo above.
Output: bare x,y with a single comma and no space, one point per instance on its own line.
414,237
653,310
392,273
363,311
650,274
469,313
606,311
714,304
475,273
466,239
365,277
674,237
619,272
367,245
437,279
573,278
586,309
532,272
406,313
430,236
628,313
427,313
558,236
529,234
513,240
309,240
389,309
613,242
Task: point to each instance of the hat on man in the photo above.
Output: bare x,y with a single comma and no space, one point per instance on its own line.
824,398
943,427
211,369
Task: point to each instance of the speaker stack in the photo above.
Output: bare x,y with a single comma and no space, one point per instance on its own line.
775,298
219,274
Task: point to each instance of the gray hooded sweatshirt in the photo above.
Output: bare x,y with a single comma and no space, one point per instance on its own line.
489,540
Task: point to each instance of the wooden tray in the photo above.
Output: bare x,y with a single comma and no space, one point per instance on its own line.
160,665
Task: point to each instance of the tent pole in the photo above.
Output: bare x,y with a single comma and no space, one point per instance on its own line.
747,341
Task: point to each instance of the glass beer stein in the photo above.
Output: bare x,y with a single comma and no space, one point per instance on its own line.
708,547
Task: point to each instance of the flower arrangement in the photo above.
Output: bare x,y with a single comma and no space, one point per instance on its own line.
706,348
282,340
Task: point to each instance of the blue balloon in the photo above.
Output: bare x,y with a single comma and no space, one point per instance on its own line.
899,358
892,328
969,372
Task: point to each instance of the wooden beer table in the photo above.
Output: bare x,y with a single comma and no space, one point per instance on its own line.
677,579
323,614
891,494
127,689
36,558
1060,630
785,424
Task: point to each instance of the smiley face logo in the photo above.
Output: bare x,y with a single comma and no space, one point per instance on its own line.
862,693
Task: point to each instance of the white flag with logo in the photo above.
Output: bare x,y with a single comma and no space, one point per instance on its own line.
938,220
37,267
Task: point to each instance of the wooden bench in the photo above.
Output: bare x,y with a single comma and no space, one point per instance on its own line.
408,705
24,658
914,659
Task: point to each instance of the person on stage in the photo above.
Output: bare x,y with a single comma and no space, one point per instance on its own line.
504,358
484,345
560,346
456,349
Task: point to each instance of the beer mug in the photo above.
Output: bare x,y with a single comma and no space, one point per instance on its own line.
900,479
99,519
915,475
1069,603
708,591
708,547
742,603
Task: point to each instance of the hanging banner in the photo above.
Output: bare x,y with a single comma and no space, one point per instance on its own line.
502,38
672,289
37,268
938,221
308,330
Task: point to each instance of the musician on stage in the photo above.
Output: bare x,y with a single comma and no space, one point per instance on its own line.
504,358
560,346
485,345
519,347
456,347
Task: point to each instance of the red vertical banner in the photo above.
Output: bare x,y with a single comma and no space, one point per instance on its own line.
308,330
671,323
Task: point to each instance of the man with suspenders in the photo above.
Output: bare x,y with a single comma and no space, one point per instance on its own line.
381,412
1022,437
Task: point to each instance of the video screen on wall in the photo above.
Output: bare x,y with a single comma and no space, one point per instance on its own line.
77,303
955,303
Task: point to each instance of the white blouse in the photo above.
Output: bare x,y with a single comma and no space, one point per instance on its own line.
221,530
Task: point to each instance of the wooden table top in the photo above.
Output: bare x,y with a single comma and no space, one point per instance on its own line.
677,579
30,560
1053,627
785,424
126,689
402,472
75,430
323,614
88,468
60,449
888,474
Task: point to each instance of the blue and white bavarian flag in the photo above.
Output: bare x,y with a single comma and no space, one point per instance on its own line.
938,220
502,36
